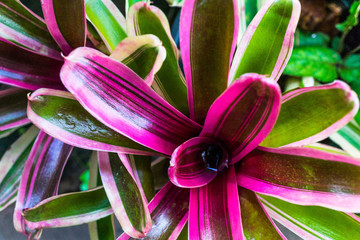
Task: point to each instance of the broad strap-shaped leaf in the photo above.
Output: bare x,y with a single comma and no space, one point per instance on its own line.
41,176
126,198
95,39
311,114
311,222
101,229
268,41
13,108
120,99
214,211
169,80
66,22
348,138
244,114
256,223
206,53
303,176
169,212
129,3
12,165
159,168
108,21
143,54
196,162
27,69
22,27
60,115
69,209
175,3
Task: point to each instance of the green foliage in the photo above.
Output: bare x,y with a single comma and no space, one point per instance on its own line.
352,20
310,39
350,69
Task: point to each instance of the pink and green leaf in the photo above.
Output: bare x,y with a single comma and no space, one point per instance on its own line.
12,165
244,114
311,222
257,224
27,69
169,212
142,54
268,41
61,116
41,176
348,138
311,114
207,53
13,108
129,3
120,99
125,195
66,22
214,209
22,27
108,21
169,80
69,209
303,176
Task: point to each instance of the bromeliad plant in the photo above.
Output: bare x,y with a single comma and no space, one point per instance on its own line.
243,144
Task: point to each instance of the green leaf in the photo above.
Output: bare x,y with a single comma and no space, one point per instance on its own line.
250,10
302,39
319,62
350,69
175,3
313,222
352,20
348,138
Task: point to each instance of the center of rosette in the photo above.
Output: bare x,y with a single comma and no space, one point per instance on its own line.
196,162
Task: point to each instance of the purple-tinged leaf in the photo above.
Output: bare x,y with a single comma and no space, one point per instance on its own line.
268,41
22,27
312,222
125,195
102,228
303,112
142,54
59,114
41,176
120,99
303,176
169,212
257,224
13,108
244,114
66,22
196,162
69,209
215,210
27,69
169,81
12,164
207,53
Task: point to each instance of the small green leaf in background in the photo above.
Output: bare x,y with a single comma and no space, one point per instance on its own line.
352,20
319,62
350,69
302,39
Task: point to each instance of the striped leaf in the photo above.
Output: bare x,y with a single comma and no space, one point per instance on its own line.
257,224
129,3
125,195
214,209
175,3
169,212
12,165
22,27
108,21
120,99
13,108
66,22
69,209
61,116
169,80
27,69
40,178
142,54
206,53
303,176
348,138
304,111
268,41
311,222
244,114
